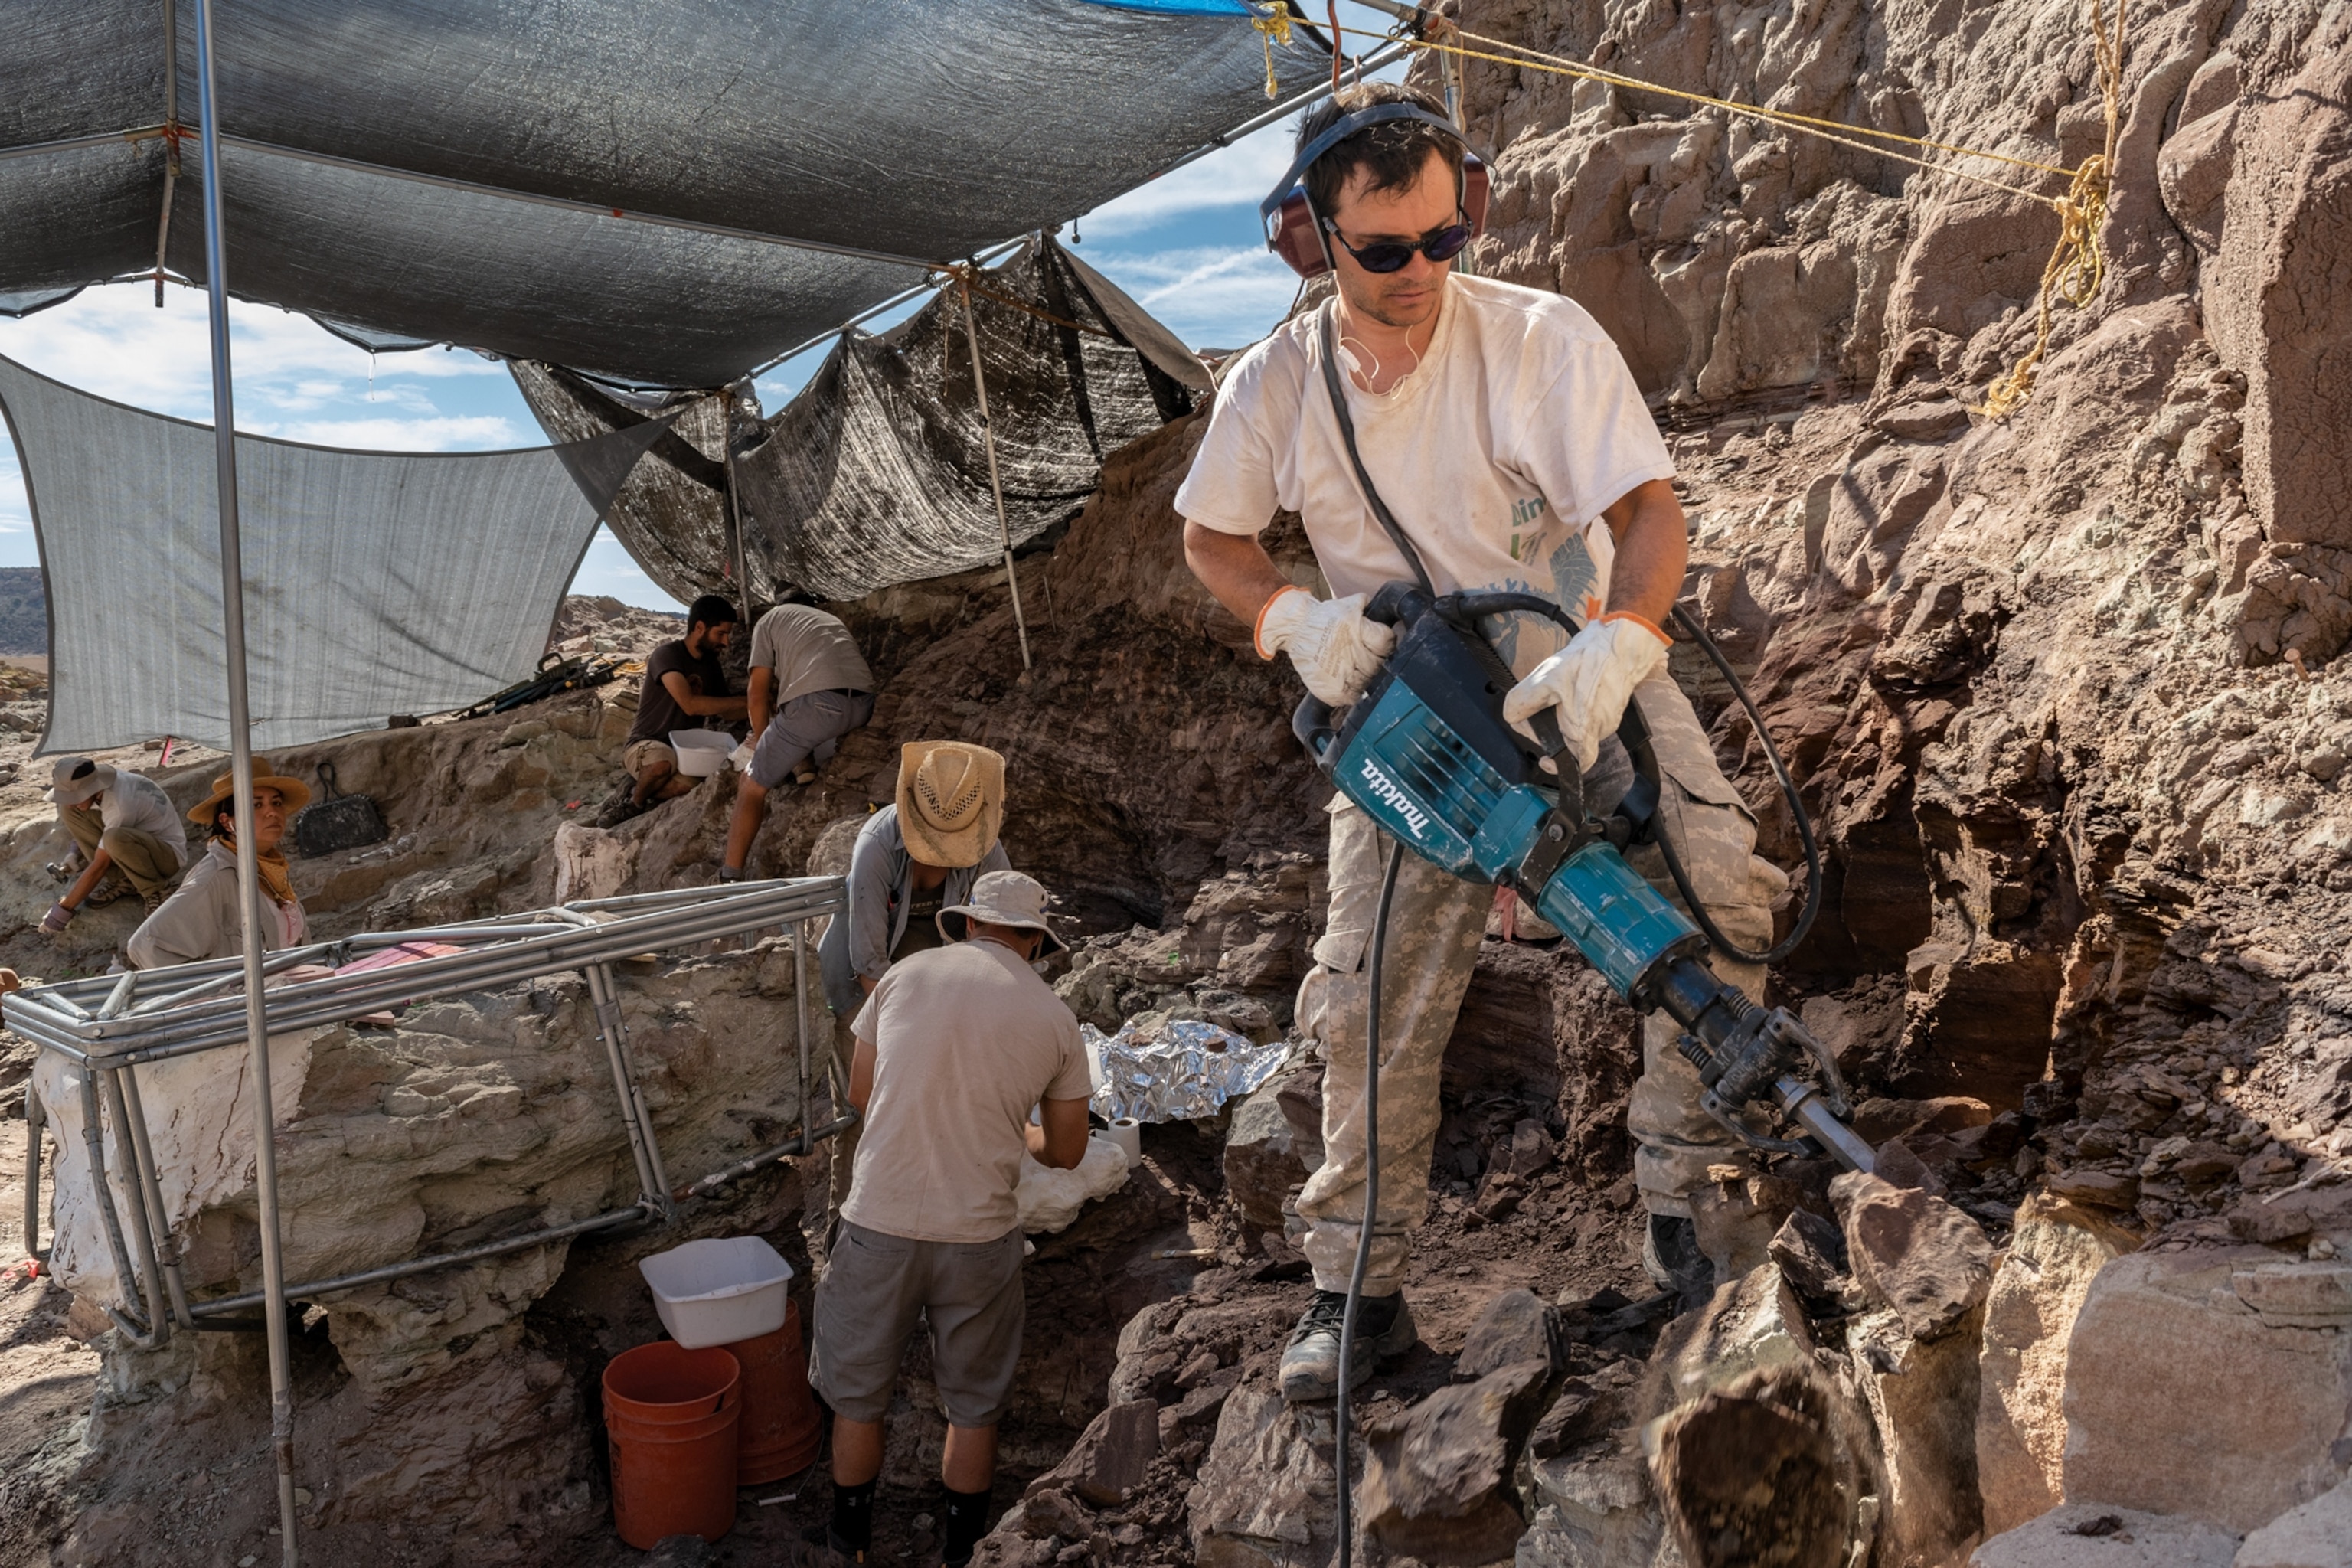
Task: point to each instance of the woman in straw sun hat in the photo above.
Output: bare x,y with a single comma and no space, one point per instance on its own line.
913,857
201,920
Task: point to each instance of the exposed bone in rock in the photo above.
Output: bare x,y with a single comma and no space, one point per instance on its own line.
1750,1473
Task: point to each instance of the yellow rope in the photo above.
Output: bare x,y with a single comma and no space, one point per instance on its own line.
1274,27
2077,266
1825,130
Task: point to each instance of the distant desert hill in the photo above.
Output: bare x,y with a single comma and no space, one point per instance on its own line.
24,611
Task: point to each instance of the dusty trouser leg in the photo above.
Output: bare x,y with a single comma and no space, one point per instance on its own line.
151,865
85,828
1436,922
1715,835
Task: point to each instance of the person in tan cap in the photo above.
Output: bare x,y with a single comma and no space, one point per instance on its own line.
201,921
122,824
957,1049
913,858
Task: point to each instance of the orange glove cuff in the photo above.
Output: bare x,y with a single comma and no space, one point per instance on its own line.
1641,621
1257,632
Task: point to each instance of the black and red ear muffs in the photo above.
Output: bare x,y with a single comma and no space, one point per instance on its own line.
1293,232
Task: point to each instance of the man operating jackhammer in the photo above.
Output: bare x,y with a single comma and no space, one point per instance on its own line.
1503,431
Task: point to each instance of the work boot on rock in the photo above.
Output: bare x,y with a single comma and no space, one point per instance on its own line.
1310,1363
620,805
1671,1259
111,887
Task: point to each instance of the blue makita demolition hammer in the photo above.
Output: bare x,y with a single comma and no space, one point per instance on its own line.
1426,751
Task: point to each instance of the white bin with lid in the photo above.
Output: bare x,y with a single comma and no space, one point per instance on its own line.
719,1290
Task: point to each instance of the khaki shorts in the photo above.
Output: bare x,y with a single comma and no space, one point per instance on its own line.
874,1289
643,755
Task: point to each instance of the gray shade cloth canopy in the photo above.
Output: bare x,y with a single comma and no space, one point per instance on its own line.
877,473
447,170
375,582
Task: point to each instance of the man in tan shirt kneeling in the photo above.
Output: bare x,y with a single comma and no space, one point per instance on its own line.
955,1048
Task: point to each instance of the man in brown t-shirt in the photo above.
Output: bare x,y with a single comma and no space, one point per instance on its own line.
684,686
955,1048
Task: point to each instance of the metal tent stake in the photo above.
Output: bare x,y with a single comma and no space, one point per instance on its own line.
240,735
995,485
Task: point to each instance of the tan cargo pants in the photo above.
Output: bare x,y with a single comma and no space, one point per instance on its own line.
146,862
1435,924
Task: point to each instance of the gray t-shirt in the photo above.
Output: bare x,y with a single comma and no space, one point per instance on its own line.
137,801
810,651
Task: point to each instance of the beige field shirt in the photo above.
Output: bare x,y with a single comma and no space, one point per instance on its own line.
967,1041
810,651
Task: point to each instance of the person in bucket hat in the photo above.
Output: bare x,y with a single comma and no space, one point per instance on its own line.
125,830
1004,899
912,860
956,1048
201,921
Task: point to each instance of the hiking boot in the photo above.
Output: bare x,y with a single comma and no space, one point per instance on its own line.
1671,1259
620,805
1310,1363
110,888
153,900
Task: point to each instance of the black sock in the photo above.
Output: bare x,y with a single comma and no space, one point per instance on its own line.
852,1515
967,1521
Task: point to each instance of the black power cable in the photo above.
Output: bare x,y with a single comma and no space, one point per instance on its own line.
1812,905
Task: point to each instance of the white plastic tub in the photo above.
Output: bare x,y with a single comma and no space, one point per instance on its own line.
719,1290
700,752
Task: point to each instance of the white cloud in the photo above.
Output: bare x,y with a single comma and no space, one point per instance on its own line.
113,342
1211,296
460,432
1236,176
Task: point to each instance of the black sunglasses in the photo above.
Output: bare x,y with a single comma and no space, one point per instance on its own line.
1390,254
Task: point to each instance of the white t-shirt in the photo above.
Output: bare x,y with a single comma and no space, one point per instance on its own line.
1497,455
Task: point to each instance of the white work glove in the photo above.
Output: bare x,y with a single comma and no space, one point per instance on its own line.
1334,648
57,919
1589,682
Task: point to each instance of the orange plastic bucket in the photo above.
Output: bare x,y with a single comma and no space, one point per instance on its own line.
671,1415
779,1434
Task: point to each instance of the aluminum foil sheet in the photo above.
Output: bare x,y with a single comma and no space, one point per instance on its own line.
1180,1071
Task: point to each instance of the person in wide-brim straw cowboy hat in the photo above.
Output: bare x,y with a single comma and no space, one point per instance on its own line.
913,858
126,831
201,921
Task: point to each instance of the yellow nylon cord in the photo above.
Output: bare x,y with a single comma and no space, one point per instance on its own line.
2077,266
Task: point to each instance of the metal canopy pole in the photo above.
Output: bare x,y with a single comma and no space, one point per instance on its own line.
240,735
995,485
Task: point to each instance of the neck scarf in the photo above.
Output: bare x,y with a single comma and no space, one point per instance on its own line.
276,882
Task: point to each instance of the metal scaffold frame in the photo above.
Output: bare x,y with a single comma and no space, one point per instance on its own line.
102,1027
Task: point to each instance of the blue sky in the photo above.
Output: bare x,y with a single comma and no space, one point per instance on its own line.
1187,246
